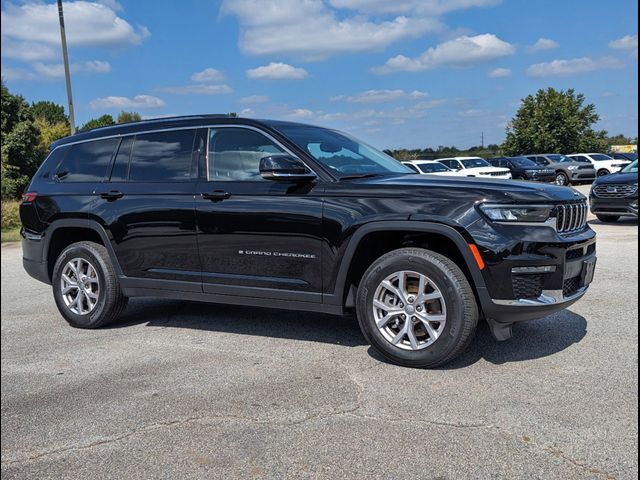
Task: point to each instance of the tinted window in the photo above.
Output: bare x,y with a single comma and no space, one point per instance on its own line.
51,163
598,157
162,157
235,154
87,162
413,167
121,165
433,168
522,162
475,163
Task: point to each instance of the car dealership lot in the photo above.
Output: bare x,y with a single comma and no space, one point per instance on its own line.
180,389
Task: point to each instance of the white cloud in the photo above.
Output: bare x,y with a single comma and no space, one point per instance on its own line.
207,75
470,113
247,112
543,44
198,89
499,73
378,96
29,51
46,71
87,24
254,99
423,7
278,71
139,101
628,42
461,52
300,114
308,29
96,66
564,68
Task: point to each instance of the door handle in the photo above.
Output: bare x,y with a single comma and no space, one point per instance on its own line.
112,195
216,195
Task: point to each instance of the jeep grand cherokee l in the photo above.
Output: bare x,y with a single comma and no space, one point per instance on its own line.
291,216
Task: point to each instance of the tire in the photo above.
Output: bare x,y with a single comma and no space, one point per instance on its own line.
460,309
519,177
562,179
608,218
603,172
98,278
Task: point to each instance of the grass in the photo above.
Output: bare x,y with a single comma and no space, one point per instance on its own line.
11,235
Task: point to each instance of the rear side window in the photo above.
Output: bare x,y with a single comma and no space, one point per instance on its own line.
48,168
162,157
87,162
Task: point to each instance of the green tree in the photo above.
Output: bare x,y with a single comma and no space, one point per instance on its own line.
102,121
554,121
50,111
124,117
20,138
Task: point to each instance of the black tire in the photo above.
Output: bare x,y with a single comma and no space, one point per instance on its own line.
519,177
608,218
462,310
562,179
110,303
603,173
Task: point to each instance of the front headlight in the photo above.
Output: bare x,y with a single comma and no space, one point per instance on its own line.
573,167
517,213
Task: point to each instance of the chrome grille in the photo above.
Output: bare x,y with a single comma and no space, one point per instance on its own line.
571,217
614,190
495,174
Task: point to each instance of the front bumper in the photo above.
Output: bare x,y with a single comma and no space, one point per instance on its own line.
583,175
623,207
550,178
532,271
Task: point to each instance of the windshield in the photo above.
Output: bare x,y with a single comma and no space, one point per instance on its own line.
523,162
432,168
598,157
631,168
342,154
475,163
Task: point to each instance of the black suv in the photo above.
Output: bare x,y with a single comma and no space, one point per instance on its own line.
524,169
285,215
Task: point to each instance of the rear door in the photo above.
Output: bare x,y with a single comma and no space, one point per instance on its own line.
147,206
257,237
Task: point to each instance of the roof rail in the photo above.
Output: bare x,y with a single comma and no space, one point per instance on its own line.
157,120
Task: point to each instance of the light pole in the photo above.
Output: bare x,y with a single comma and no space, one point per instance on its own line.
67,74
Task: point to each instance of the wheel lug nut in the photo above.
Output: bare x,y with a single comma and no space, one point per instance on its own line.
419,308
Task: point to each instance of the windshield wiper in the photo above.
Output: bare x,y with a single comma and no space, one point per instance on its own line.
361,175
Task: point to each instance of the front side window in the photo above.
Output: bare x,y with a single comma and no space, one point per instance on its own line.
341,153
522,162
162,157
87,161
235,154
598,157
433,168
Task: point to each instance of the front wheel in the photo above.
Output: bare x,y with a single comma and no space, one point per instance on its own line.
416,308
562,179
85,286
608,218
603,172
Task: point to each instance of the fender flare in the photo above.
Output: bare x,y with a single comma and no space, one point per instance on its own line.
415,226
81,223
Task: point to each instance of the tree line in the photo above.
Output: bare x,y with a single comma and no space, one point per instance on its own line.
28,129
550,121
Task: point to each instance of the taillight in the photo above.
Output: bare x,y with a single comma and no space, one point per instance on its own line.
29,197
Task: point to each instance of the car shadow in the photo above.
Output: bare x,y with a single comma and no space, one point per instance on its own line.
531,340
260,322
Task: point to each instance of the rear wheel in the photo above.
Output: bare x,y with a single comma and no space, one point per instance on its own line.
85,286
608,218
603,172
562,179
416,308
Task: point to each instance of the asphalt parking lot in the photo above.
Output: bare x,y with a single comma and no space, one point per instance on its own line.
185,390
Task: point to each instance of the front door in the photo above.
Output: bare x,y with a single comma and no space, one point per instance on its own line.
256,237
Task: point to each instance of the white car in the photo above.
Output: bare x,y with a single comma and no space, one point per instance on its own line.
604,164
475,167
431,167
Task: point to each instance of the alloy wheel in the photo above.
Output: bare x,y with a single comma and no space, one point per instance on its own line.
409,310
80,286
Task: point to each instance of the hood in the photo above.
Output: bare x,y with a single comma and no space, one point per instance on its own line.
617,178
475,189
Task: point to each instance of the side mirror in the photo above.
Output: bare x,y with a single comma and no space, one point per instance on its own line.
285,168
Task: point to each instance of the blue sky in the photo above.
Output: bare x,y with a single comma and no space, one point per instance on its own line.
402,73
